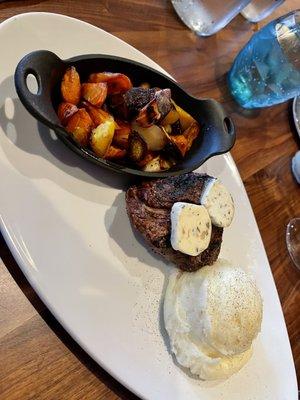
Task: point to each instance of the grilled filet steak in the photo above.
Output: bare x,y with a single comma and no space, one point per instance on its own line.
149,207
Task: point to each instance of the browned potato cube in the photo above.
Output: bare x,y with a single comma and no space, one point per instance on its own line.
70,86
102,137
185,118
115,153
191,133
80,126
116,83
180,142
121,135
65,112
94,93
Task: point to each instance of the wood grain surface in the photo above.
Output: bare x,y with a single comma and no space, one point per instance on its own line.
38,359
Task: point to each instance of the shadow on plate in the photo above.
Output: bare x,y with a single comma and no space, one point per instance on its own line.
90,269
129,246
126,242
39,141
60,332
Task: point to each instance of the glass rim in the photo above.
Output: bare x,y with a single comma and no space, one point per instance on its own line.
285,16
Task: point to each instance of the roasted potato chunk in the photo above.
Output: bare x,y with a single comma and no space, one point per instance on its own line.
102,136
191,133
97,115
115,153
65,112
148,157
181,142
148,115
153,165
185,118
70,86
156,109
94,93
118,106
122,134
80,126
116,100
168,129
154,136
171,117
116,83
165,163
137,147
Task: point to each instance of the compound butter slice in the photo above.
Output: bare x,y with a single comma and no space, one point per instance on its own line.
190,228
218,202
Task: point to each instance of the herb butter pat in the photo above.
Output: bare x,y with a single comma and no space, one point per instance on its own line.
190,228
218,202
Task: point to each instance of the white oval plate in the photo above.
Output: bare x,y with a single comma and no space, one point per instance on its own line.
68,230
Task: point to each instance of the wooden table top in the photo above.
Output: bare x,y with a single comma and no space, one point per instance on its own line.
39,360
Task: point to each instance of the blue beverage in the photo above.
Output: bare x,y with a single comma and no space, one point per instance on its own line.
267,70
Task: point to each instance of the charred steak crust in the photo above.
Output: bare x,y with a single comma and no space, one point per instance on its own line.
149,205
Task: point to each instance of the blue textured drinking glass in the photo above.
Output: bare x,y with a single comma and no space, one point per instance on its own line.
267,70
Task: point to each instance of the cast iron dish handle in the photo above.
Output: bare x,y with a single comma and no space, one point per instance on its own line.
46,67
214,113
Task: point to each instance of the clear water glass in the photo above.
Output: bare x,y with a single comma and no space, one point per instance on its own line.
293,240
260,9
267,69
206,17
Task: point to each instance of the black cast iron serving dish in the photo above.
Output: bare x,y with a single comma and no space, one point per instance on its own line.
217,133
